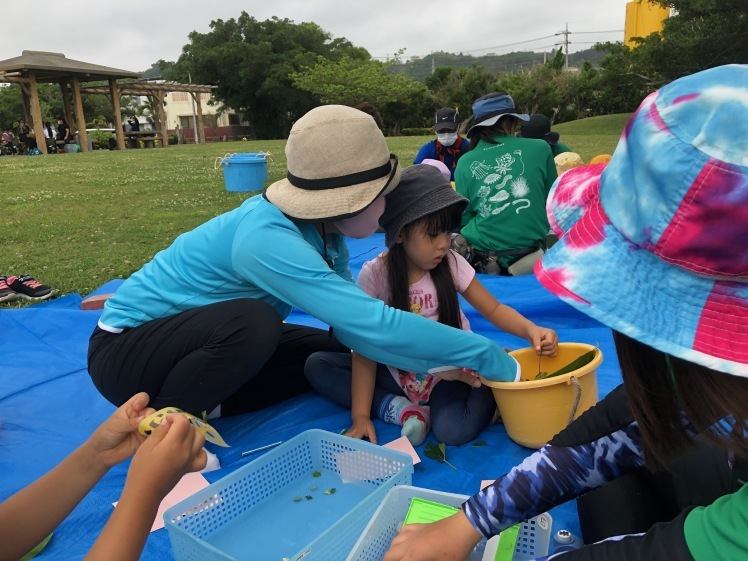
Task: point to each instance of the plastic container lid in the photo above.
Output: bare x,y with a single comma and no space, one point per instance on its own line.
422,511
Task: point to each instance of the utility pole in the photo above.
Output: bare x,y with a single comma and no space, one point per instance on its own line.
433,63
194,117
565,44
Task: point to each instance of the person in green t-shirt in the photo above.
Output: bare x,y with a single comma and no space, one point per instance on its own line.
507,180
539,126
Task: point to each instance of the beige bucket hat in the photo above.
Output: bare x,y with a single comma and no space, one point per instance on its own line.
338,164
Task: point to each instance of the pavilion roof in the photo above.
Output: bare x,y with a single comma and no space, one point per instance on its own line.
52,67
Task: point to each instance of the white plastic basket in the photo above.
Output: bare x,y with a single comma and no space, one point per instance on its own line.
532,542
279,506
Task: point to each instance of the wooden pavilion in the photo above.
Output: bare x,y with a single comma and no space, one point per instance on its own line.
34,67
156,92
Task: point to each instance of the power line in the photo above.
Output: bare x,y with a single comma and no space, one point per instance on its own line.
566,42
509,44
610,31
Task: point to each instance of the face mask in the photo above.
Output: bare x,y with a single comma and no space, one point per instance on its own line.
447,139
364,224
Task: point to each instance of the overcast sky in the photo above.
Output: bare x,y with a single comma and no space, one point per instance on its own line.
133,34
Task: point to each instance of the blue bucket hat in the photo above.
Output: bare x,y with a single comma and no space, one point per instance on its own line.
488,109
652,244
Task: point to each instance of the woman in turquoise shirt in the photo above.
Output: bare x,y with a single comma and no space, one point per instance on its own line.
201,326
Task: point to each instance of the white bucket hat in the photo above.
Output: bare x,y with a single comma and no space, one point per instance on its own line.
338,164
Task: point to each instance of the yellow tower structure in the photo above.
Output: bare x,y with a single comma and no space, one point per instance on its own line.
643,18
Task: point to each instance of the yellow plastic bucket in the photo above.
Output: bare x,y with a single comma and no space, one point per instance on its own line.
533,411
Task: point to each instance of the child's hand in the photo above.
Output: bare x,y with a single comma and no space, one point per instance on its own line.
470,377
173,449
361,428
543,340
117,438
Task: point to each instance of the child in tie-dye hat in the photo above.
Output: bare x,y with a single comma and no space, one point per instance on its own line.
653,245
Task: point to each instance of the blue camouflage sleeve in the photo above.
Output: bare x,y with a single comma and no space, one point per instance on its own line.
551,476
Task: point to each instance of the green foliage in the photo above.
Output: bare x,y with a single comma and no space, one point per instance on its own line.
535,91
251,63
519,61
701,34
460,87
100,139
349,80
11,106
416,131
557,61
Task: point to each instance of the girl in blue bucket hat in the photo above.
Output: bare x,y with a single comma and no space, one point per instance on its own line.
651,244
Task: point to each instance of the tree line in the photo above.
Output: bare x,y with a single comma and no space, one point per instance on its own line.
274,71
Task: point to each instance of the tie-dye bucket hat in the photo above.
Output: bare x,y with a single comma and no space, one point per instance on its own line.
653,244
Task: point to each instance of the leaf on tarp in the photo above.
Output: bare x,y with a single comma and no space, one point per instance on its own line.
438,453
330,491
316,474
479,443
309,497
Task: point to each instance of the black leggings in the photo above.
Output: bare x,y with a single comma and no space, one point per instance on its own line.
237,353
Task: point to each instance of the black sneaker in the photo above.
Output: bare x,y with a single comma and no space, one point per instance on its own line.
28,287
7,294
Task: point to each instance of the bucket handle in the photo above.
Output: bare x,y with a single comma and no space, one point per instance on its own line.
574,382
220,161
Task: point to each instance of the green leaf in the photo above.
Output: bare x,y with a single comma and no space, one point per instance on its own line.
575,364
479,443
309,497
330,491
316,474
437,452
296,499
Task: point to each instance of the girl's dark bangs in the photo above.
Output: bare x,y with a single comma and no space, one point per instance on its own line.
444,220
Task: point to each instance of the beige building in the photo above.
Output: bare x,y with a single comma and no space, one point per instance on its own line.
179,111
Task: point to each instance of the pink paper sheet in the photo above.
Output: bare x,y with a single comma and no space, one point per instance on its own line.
402,444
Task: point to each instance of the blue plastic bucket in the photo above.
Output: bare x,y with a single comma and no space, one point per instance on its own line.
245,172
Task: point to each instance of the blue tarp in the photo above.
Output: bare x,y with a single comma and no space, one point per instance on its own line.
48,406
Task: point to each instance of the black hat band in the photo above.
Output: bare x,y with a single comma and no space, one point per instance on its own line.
342,180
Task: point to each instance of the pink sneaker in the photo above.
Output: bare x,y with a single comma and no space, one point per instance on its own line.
7,294
29,288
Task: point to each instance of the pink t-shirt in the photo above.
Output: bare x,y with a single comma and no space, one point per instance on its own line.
423,301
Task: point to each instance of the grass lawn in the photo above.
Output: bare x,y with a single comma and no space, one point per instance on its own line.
76,221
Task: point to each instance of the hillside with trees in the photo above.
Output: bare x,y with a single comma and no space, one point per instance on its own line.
420,68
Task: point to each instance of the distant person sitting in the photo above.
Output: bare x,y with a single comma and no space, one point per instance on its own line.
24,130
64,133
449,146
49,131
134,124
539,126
9,142
50,135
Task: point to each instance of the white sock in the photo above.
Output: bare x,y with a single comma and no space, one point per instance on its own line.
416,420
